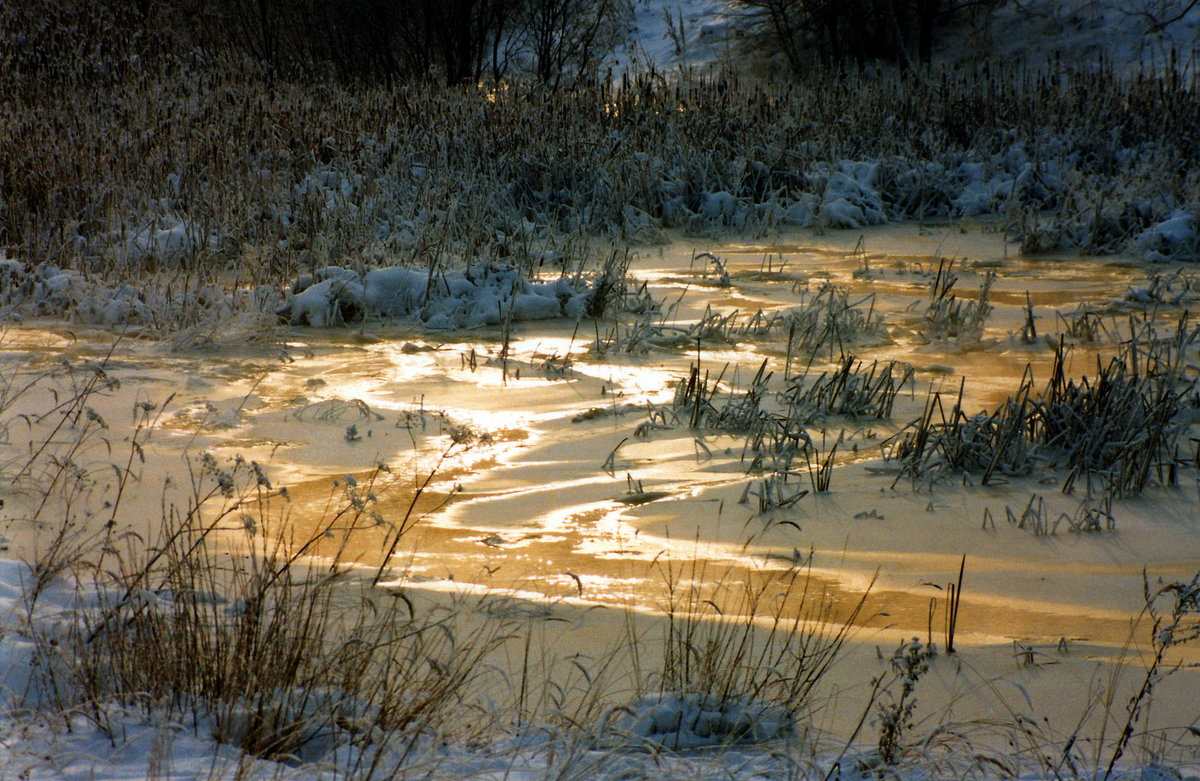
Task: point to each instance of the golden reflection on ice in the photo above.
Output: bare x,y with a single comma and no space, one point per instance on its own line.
557,472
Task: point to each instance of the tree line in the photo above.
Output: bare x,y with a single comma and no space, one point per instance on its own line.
556,42
837,32
458,41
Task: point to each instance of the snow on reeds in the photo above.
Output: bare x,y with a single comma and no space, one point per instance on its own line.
199,171
947,317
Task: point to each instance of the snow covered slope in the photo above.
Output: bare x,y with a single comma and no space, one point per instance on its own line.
673,33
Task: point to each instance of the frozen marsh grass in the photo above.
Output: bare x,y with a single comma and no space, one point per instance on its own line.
1114,431
192,196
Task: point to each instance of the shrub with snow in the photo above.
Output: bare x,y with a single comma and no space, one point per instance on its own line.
177,239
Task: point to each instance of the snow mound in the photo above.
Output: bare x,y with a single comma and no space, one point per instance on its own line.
680,721
1172,239
851,199
463,298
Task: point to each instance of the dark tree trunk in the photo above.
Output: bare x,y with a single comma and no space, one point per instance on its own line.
927,12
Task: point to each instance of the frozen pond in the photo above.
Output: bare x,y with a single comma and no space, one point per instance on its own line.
558,469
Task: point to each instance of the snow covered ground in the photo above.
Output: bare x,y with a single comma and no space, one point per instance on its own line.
1127,35
1037,33
669,735
667,34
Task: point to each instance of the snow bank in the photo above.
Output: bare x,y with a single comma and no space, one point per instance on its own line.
49,291
667,34
16,650
1128,35
464,298
461,298
695,33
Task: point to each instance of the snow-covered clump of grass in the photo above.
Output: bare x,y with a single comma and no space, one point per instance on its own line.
829,321
188,311
850,198
1120,428
723,679
947,317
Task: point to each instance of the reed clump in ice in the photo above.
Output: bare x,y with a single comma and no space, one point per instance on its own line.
1121,427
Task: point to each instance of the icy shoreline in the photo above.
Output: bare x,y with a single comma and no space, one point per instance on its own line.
665,735
487,294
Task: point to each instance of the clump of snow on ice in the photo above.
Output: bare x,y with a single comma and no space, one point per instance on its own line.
801,212
720,207
331,301
639,226
680,721
1175,238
